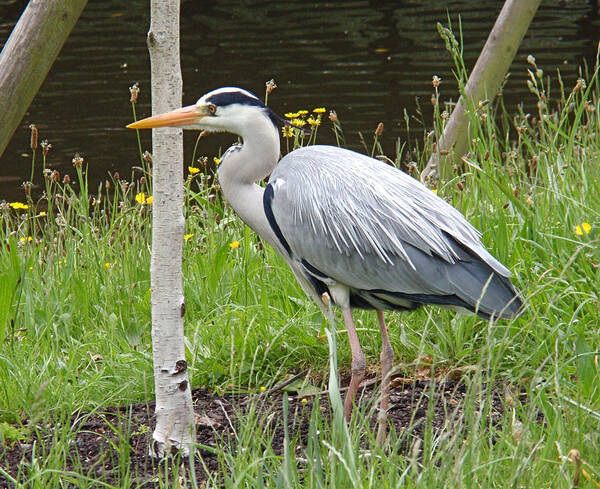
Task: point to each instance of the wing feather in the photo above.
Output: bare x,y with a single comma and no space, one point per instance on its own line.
340,200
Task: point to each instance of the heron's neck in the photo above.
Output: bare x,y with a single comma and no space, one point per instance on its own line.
241,168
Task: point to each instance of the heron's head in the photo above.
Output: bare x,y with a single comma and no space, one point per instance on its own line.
226,109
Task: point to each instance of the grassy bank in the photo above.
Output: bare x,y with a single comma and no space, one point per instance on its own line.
75,317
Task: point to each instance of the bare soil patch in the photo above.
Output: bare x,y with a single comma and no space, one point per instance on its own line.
99,437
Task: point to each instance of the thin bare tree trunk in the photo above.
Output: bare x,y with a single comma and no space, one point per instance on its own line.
28,55
174,412
485,80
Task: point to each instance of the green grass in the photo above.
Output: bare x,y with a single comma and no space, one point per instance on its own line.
75,319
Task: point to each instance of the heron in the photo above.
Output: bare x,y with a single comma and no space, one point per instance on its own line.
353,229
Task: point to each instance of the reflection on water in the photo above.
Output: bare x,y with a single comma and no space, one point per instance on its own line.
368,60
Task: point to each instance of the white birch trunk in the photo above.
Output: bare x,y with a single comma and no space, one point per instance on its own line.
492,65
174,411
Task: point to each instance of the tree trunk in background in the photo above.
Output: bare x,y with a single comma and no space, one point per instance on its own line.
29,54
174,413
485,80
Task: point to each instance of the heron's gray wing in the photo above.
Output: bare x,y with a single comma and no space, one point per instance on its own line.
372,227
357,204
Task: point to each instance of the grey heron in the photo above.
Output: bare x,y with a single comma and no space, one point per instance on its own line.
349,226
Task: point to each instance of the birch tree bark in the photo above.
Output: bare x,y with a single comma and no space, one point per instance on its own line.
485,79
174,411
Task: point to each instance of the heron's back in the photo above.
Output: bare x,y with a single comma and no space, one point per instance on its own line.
392,241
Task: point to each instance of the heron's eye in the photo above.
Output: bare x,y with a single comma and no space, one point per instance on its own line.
212,108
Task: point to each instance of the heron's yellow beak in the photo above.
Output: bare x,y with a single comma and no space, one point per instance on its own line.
179,117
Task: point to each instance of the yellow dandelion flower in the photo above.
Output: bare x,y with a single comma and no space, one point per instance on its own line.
319,110
263,388
234,244
193,170
314,122
434,190
216,160
304,401
187,236
299,122
291,115
303,112
287,131
140,198
150,200
107,265
18,205
42,213
24,239
583,228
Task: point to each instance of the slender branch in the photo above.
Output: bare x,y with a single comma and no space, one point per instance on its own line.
29,54
485,80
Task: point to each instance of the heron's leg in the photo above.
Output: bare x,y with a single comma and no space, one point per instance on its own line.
387,359
359,365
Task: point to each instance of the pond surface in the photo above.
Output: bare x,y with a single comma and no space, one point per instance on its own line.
370,61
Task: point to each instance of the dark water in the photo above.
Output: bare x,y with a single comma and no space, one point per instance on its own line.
369,60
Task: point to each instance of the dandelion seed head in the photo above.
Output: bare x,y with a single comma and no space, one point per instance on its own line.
77,160
46,147
134,90
271,85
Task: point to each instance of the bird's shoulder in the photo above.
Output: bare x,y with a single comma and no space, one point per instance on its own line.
329,162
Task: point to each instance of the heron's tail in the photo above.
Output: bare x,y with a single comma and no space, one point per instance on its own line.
487,293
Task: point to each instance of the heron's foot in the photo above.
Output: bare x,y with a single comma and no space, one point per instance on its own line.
384,403
359,364
387,361
359,367
382,427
